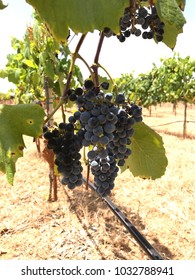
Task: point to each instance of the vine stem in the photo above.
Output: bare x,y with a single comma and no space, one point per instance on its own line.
133,9
74,57
94,67
108,74
64,96
115,87
86,64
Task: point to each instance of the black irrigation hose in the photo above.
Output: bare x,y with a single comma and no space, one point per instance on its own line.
172,123
146,246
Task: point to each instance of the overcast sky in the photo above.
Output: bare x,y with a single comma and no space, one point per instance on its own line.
135,54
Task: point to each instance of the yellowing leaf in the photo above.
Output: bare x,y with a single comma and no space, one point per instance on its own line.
30,63
15,121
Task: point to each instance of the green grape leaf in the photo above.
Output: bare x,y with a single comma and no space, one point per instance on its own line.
3,74
148,159
2,6
15,121
30,63
79,15
49,69
173,18
14,75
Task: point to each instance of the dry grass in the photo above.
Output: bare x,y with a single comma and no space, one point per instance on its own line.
80,226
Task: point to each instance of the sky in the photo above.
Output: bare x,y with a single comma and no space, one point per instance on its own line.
135,55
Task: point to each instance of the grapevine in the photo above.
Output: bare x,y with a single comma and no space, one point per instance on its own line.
105,130
105,122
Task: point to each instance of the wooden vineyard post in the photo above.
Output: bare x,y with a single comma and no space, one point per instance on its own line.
185,120
49,100
175,108
48,155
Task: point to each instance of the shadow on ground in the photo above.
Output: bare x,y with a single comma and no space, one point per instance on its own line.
119,238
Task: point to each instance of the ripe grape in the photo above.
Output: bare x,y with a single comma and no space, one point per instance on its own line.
105,171
108,96
48,135
137,32
84,117
120,98
105,85
66,146
78,91
146,18
88,84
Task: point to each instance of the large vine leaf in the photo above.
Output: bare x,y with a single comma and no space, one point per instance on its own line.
79,15
170,13
15,121
148,159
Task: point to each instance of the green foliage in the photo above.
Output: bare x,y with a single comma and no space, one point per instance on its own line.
147,90
79,15
170,13
127,84
176,76
15,121
36,57
139,89
172,81
148,158
4,96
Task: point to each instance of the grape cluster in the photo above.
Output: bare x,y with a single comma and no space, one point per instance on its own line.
66,146
104,168
98,121
127,117
107,122
139,21
103,124
121,137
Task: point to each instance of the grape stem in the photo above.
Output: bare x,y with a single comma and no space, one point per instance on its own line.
133,10
63,113
94,67
104,69
64,96
86,64
74,57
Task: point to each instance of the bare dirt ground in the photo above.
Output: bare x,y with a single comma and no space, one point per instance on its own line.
79,226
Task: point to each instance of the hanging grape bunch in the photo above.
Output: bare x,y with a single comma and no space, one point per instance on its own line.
139,21
66,145
103,124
